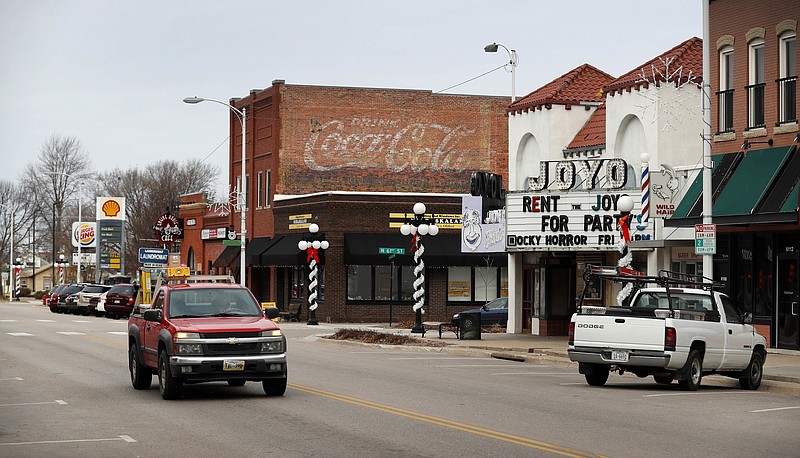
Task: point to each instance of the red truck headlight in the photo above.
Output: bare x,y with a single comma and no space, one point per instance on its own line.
184,346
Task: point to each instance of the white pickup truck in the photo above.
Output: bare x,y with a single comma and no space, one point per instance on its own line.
672,326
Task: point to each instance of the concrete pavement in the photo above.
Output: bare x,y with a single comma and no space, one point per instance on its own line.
781,369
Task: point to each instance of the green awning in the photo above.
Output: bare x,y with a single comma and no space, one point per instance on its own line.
758,186
750,181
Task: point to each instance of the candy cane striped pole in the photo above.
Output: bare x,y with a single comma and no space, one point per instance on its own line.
645,189
18,281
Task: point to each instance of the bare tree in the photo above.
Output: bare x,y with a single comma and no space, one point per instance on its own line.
152,191
13,206
62,170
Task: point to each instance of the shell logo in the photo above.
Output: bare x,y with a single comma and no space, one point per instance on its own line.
85,234
111,208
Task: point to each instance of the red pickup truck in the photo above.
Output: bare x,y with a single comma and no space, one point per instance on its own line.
204,332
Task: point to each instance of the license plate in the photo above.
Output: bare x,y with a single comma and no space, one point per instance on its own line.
232,365
619,356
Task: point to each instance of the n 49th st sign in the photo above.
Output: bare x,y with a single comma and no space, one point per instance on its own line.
569,221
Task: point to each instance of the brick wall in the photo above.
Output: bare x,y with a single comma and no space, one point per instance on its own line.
736,18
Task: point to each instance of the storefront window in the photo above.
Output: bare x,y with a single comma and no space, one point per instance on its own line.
380,283
476,284
359,283
298,283
459,284
764,275
744,272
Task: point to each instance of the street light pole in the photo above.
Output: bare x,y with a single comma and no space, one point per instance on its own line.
312,247
419,225
512,61
243,186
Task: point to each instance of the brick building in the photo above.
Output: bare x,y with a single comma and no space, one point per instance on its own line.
354,146
756,166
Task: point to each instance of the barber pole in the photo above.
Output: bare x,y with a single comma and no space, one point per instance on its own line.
18,281
645,217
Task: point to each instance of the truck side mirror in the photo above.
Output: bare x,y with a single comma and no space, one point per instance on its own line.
272,312
152,315
747,318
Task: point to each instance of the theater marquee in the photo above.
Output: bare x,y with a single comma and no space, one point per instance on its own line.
568,221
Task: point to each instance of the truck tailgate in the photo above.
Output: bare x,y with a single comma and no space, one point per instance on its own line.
617,332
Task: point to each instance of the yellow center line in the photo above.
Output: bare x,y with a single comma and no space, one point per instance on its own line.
106,341
518,440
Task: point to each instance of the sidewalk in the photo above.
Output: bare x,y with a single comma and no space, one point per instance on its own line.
782,366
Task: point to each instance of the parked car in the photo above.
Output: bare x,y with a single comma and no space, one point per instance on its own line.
87,293
97,304
52,298
68,298
494,312
120,299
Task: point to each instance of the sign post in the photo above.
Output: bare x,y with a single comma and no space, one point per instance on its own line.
705,239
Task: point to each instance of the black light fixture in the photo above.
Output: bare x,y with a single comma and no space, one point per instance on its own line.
749,144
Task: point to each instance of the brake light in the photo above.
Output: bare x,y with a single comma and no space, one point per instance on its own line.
571,333
670,339
131,300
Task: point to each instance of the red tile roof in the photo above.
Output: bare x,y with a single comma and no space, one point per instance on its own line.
679,65
593,133
584,83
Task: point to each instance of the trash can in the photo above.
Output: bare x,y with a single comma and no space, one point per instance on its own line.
470,328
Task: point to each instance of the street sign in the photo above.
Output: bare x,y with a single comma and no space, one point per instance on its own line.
153,255
386,250
705,239
236,242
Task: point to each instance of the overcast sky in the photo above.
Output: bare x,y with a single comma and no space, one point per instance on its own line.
113,73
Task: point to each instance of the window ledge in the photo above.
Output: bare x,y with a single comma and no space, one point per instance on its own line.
725,137
756,132
786,128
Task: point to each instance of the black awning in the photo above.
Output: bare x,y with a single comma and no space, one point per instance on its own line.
441,251
227,257
255,247
284,252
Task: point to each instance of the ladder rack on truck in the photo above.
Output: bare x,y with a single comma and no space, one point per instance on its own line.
667,279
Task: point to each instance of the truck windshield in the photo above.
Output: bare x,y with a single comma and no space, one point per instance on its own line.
211,302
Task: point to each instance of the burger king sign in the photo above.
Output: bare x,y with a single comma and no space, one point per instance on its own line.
83,235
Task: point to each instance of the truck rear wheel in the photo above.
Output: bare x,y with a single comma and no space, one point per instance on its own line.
750,378
694,372
169,386
598,377
141,376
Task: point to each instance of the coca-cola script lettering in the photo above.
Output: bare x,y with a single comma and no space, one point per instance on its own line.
365,143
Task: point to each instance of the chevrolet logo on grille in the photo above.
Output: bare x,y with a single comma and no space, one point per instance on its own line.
232,341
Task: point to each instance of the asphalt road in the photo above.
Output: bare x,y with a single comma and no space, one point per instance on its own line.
65,391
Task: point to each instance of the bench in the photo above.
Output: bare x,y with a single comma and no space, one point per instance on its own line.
440,326
292,312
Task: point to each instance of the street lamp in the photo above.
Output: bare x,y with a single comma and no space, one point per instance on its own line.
61,264
625,206
10,255
419,225
312,247
80,220
242,114
17,278
512,61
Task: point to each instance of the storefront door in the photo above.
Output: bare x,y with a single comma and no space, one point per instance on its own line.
788,315
527,299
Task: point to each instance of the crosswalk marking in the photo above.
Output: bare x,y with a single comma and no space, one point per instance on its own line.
19,334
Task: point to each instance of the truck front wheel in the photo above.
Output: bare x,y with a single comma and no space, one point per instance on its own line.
694,372
599,376
141,376
750,378
275,386
169,386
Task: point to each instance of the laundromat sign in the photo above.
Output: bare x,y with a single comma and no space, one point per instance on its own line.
569,221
